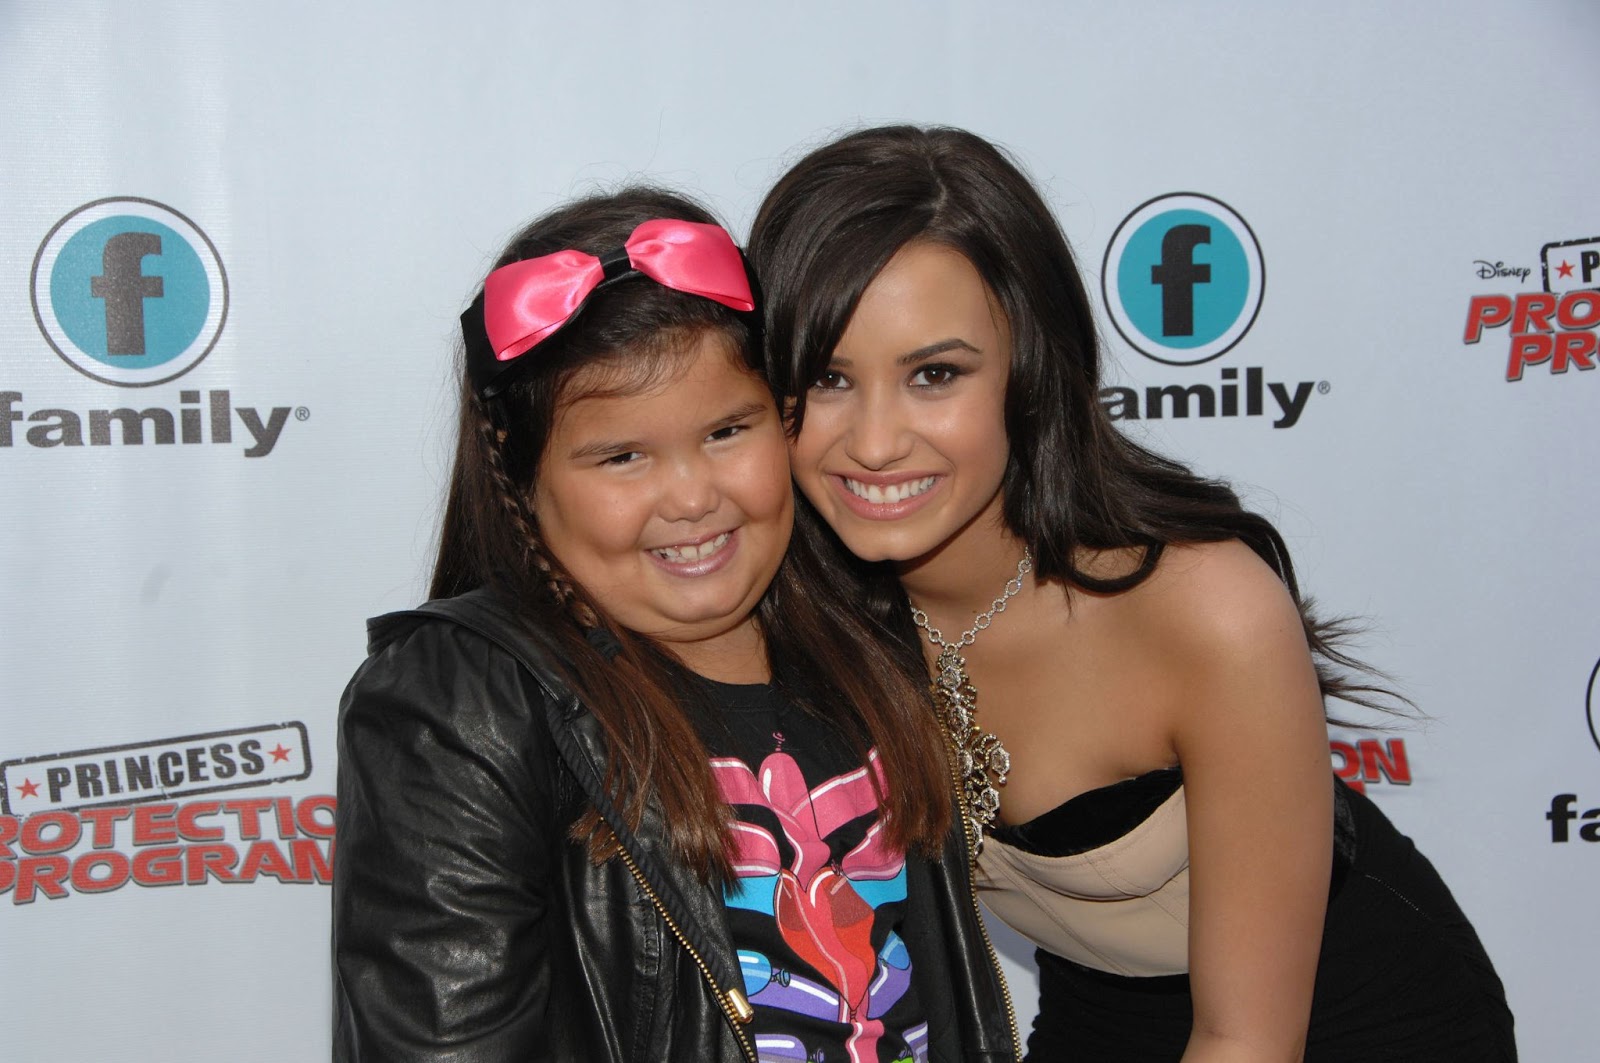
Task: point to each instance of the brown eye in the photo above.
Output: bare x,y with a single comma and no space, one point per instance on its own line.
829,381
934,376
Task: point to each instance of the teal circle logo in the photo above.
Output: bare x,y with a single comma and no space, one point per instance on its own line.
1183,278
129,291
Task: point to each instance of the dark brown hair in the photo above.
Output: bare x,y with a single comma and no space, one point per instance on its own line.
1073,480
821,649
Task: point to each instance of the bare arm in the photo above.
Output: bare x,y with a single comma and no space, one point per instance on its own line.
1250,735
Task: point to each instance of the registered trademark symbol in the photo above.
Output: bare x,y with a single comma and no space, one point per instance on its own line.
1322,389
303,414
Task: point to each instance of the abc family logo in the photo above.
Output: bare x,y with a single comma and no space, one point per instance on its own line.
132,293
1183,280
1555,327
1564,812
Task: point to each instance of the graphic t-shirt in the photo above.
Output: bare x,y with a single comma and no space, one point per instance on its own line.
819,895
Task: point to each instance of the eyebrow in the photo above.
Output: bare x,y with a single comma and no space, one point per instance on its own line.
921,354
622,446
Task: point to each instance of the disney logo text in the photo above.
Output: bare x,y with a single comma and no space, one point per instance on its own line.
1489,270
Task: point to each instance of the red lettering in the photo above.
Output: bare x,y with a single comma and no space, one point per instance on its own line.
68,831
1533,312
305,814
1529,349
1347,765
8,875
42,874
158,867
10,827
249,810
117,872
1380,763
310,864
265,858
1567,312
1574,348
1490,310
104,823
285,810
152,824
193,832
217,861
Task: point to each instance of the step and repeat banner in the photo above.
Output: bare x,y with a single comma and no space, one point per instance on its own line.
234,240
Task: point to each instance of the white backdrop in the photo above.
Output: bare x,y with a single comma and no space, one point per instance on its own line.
191,609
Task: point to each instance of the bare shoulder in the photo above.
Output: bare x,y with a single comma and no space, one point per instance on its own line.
1206,601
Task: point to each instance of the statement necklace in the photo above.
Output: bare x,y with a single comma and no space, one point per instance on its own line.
982,763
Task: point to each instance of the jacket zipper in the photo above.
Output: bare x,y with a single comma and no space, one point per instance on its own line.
972,889
735,1007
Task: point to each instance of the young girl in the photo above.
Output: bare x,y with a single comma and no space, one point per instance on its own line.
636,784
1122,656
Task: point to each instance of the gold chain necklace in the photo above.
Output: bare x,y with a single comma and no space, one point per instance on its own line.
982,763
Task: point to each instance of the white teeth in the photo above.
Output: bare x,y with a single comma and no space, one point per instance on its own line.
889,492
682,555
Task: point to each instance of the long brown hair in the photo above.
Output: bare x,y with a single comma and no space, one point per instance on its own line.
835,661
1072,480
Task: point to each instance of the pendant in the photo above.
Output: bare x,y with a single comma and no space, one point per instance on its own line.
982,763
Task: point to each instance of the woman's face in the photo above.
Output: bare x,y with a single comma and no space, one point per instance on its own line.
671,504
903,445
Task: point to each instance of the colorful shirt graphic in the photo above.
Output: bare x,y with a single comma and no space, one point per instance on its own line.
818,894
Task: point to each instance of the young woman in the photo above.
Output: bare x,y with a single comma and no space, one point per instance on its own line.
1134,685
635,784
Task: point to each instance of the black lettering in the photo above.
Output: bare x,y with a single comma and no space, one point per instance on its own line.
1590,832
57,779
221,418
1179,395
1122,404
190,418
1177,273
1252,391
138,771
9,415
1561,815
222,760
1589,262
124,287
132,422
197,764
250,753
169,766
89,784
67,431
266,435
1292,405
1230,393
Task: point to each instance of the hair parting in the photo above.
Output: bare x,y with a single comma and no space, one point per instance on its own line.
1074,484
821,651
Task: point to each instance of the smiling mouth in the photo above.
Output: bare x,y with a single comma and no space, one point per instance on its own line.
887,494
690,553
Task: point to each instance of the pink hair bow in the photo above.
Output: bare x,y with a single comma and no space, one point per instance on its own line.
527,302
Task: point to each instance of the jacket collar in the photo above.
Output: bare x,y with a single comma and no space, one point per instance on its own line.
696,910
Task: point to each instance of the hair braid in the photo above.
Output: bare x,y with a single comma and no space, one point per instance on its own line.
524,526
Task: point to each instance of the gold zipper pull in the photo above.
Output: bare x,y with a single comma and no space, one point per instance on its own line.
740,1006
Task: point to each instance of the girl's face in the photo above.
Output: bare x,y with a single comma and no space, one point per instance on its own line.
671,504
904,446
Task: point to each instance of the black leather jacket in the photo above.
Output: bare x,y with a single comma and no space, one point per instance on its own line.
468,927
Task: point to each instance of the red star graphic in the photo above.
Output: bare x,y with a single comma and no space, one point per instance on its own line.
1565,269
29,788
280,753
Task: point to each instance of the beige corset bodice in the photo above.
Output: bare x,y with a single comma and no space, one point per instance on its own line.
1122,907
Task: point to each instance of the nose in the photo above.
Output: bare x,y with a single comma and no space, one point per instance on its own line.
690,490
880,432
